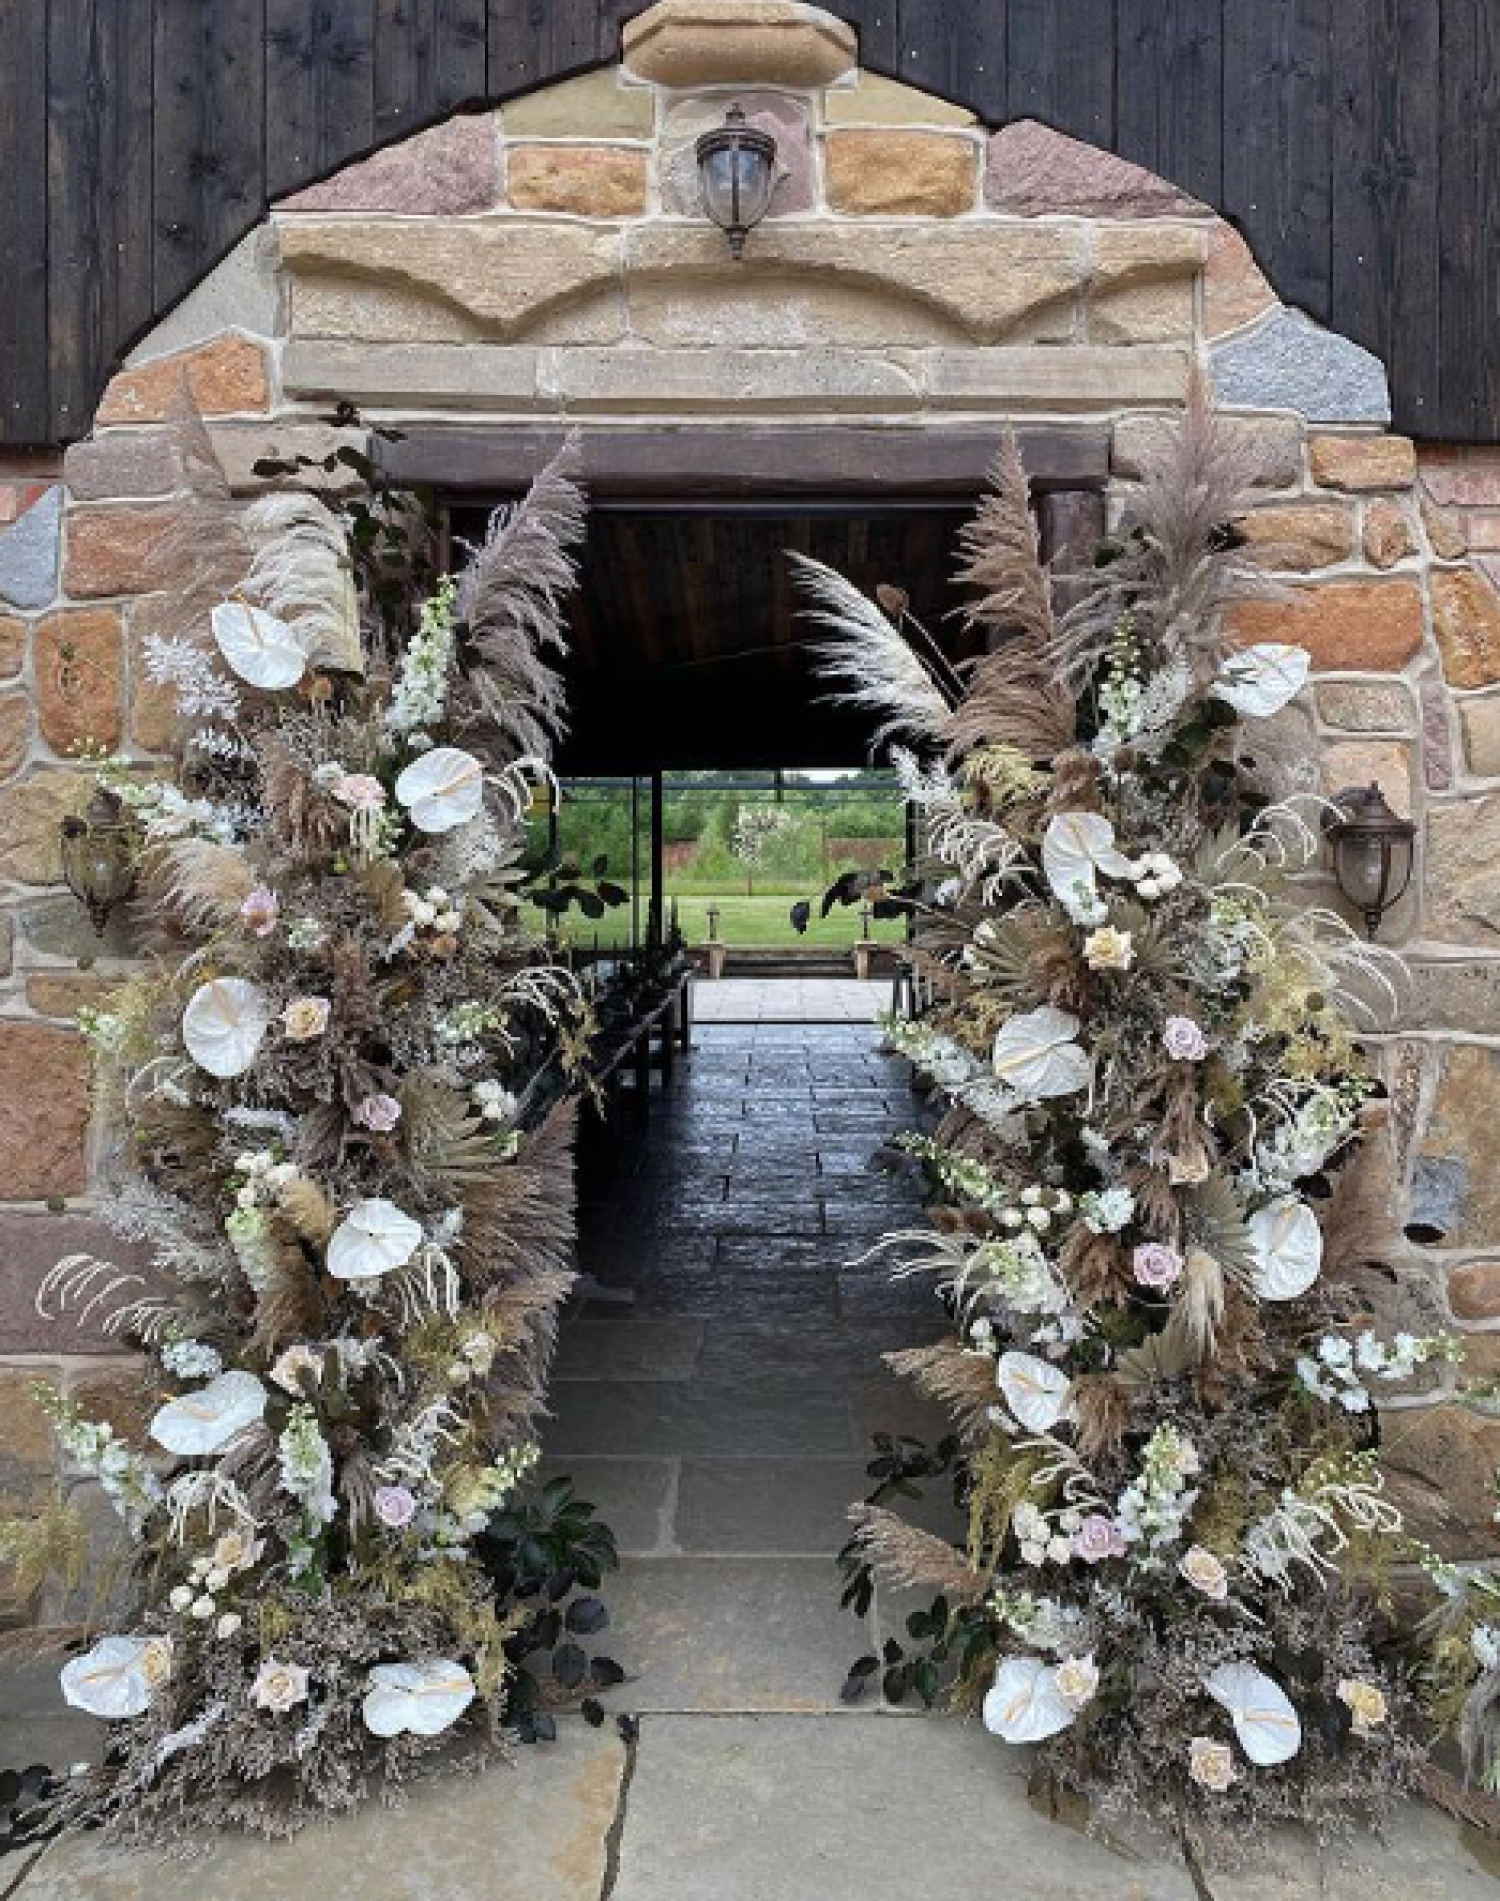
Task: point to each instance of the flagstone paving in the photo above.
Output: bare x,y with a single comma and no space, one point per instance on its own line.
715,1395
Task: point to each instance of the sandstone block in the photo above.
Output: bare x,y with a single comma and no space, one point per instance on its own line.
1299,536
1359,706
785,119
7,943
585,181
1461,994
1030,170
224,378
684,43
595,106
1082,378
419,375
117,1395
1362,462
121,467
996,283
1382,762
12,645
77,667
32,1242
28,1450
1445,531
1462,475
1289,362
1463,877
240,446
15,732
1479,720
44,1111
1141,289
1437,736
442,172
153,707
895,173
29,553
1389,535
1440,1461
1347,626
118,550
1466,620
1275,445
1474,1291
874,100
695,313
63,993
31,811
441,280
1235,291
732,380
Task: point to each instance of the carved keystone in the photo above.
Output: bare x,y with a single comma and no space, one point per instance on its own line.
683,43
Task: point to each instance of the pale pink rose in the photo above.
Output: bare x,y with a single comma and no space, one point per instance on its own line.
395,1506
260,911
1098,1538
279,1686
1183,1041
1156,1265
305,1018
380,1113
359,791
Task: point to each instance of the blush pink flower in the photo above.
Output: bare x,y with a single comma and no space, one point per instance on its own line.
380,1113
1183,1041
260,911
395,1506
360,791
1156,1265
1098,1538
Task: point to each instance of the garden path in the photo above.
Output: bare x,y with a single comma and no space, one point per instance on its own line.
720,1416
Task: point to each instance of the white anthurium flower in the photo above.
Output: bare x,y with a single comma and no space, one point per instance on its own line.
1025,1704
225,1024
1258,681
262,650
118,1677
202,1423
375,1237
442,789
1268,1728
1035,1390
1076,847
1037,1055
422,1699
1288,1248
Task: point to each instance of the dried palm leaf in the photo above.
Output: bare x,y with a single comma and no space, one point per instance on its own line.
963,1382
1358,1218
203,884
912,1559
306,1206
1101,1413
1093,1267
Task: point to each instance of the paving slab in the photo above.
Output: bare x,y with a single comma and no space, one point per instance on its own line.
731,1634
668,1418
886,1808
1426,1857
624,1349
791,1507
535,1830
634,1497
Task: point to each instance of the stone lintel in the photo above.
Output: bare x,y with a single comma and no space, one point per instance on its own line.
682,43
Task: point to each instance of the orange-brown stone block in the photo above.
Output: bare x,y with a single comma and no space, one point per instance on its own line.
1474,1291
1362,462
891,173
15,732
1466,619
12,645
1347,626
1299,536
1234,287
77,667
117,551
1389,536
224,378
44,1111
590,181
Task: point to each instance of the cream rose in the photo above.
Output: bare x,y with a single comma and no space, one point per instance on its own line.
1204,1572
279,1686
305,1018
1108,949
1077,1679
1211,1764
1366,1703
156,1662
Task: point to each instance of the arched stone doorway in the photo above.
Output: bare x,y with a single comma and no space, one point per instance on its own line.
921,281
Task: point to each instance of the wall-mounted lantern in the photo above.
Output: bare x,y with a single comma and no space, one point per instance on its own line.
1372,852
737,170
98,857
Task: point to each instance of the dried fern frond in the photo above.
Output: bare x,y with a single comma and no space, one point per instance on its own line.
1101,1410
202,883
203,547
912,1559
1014,696
963,1382
881,672
300,572
510,599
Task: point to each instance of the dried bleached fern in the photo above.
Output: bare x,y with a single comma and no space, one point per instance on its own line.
912,1559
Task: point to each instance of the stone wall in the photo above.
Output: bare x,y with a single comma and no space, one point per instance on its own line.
917,271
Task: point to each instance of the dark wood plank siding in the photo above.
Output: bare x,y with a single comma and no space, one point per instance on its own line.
1352,140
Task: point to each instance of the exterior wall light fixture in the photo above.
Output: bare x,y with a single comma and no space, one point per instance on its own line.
737,172
98,852
1372,852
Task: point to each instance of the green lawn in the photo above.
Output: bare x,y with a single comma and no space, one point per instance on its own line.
758,923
